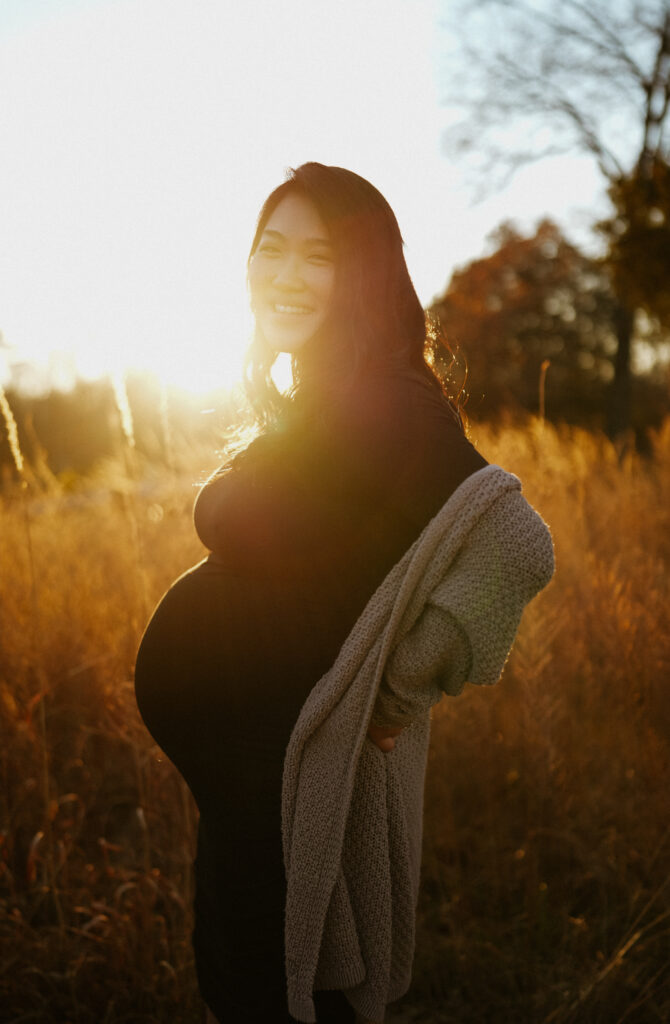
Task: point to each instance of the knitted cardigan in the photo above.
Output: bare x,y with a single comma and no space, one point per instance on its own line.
447,613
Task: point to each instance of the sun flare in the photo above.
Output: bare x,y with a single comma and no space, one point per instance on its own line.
139,140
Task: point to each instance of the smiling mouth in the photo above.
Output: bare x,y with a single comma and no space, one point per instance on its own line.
299,310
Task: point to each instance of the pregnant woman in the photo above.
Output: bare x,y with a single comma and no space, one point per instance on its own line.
364,560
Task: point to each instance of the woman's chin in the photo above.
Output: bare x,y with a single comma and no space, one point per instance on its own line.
286,332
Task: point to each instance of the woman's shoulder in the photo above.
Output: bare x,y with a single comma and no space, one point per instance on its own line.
396,405
398,434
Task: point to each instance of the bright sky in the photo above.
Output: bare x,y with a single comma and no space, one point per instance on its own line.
139,138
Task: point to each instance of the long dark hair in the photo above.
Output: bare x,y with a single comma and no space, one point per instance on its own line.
376,321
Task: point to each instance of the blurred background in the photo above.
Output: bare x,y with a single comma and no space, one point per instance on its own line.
524,147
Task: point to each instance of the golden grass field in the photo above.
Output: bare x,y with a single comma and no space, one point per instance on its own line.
547,849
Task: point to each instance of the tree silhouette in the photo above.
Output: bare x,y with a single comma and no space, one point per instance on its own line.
638,234
536,79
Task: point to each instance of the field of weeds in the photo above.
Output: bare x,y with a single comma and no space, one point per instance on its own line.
547,851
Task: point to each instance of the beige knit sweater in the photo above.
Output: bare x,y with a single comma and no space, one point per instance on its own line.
447,613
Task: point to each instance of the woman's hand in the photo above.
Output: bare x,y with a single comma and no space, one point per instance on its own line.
384,736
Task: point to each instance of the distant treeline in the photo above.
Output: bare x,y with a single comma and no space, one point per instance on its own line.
66,434
537,300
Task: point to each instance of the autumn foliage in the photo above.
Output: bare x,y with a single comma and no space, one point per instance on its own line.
533,299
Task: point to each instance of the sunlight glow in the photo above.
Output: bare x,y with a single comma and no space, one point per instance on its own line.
140,139
141,136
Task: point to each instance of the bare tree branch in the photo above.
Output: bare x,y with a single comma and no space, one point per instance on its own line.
658,82
605,41
561,67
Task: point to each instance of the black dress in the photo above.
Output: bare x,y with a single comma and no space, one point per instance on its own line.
237,643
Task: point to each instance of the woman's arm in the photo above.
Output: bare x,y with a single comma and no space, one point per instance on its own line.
466,629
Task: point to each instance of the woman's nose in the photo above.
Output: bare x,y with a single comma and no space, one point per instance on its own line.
288,274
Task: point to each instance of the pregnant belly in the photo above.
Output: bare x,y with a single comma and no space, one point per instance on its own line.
223,669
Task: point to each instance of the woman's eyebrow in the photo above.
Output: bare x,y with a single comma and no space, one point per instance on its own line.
308,241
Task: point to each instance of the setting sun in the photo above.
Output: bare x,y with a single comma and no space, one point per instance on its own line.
140,138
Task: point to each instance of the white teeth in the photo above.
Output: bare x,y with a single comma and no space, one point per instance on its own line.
291,309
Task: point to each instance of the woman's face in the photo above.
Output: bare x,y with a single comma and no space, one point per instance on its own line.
292,275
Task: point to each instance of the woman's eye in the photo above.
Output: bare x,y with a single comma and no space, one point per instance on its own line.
268,250
320,258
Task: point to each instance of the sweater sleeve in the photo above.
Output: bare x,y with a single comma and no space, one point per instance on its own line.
434,658
466,630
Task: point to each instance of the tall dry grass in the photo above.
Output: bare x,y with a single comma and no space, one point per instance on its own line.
547,850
